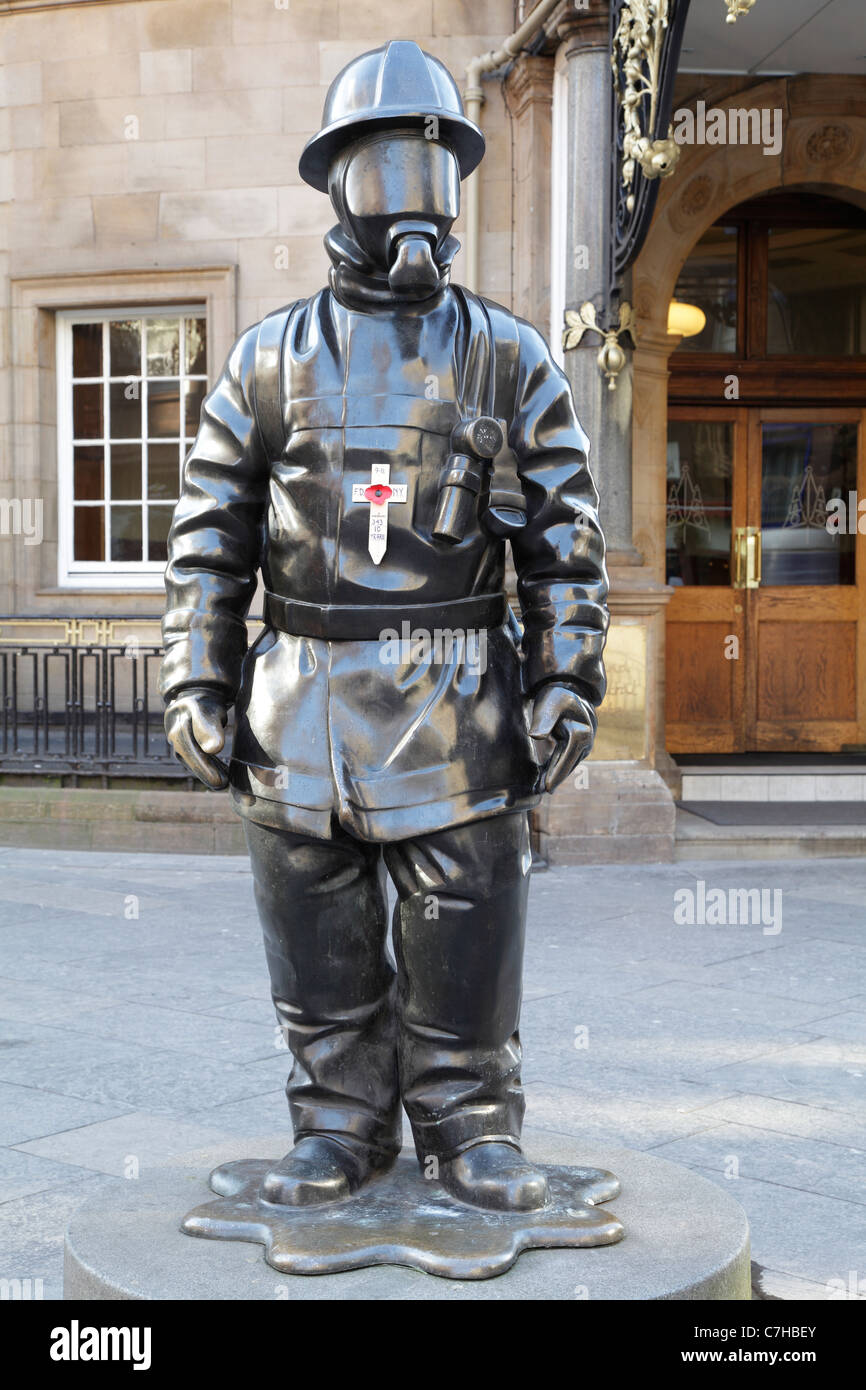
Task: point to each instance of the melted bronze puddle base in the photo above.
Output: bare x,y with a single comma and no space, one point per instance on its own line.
401,1219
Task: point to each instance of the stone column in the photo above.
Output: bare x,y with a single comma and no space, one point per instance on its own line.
604,414
618,806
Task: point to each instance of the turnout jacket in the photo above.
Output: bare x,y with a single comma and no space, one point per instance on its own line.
387,740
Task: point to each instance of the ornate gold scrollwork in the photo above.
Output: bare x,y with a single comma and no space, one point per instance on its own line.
736,8
637,51
611,357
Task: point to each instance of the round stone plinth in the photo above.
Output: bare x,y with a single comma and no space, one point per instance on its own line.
685,1238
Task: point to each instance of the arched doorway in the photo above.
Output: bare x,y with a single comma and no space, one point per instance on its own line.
824,152
766,463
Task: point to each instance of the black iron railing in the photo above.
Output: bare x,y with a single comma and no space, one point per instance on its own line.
83,709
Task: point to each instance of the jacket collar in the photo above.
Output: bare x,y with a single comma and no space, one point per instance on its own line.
357,284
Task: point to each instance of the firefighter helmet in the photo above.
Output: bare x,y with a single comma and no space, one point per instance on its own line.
392,86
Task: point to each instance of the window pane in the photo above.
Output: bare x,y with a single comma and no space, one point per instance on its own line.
125,471
163,471
163,347
196,347
87,349
709,280
89,532
150,387
700,477
817,291
158,522
803,467
124,404
87,412
194,394
88,474
124,346
126,533
163,409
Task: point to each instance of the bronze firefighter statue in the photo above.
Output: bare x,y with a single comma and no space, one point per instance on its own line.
370,450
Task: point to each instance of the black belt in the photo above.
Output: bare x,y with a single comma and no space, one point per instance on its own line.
347,622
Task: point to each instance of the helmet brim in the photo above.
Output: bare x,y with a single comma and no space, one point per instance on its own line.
463,136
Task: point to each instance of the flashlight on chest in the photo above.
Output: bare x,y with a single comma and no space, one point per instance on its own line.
474,444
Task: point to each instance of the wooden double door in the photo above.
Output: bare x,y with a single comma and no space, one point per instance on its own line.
766,647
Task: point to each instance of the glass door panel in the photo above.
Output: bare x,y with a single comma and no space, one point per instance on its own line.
706,510
804,466
700,477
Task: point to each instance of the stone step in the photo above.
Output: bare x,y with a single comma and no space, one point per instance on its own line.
143,821
698,838
825,783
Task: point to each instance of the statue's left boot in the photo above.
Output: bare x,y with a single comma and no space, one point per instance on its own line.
494,1175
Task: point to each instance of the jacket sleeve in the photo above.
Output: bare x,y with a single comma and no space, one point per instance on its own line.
214,540
559,555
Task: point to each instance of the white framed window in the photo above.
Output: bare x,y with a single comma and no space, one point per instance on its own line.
130,386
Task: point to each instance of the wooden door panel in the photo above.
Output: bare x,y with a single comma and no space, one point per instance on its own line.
814,606
806,672
700,684
818,736
704,681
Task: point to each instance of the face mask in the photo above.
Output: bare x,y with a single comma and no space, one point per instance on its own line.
398,194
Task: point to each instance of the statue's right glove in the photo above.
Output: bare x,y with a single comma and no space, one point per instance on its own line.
195,722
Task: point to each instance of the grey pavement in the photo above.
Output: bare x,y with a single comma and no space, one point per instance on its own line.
135,1024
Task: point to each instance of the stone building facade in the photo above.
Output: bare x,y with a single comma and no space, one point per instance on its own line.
149,177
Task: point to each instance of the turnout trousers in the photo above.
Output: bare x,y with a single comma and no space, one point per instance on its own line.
437,1028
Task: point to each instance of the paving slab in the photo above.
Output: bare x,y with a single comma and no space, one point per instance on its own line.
741,1151
619,1120
26,1113
822,1073
23,1173
113,1073
787,1117
725,1002
148,1025
126,1146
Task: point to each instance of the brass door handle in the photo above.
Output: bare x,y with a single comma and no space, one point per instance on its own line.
753,557
747,557
739,581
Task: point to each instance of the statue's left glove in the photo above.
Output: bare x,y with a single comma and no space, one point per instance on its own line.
564,726
195,723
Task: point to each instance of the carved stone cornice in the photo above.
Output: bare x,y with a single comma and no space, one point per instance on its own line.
588,27
530,79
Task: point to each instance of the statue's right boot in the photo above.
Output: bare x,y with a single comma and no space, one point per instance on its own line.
321,1169
323,910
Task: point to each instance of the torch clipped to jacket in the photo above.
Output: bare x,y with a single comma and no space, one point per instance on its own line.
475,443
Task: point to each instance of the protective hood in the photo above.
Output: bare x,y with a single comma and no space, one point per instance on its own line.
359,284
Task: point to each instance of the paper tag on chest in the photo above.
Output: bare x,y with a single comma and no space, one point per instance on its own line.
379,493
